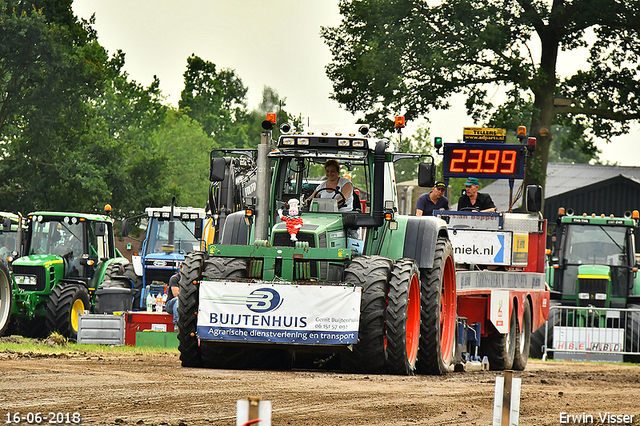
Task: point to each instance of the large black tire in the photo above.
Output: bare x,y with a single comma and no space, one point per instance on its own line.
537,337
632,334
523,340
403,318
369,355
65,301
436,353
215,354
188,344
6,297
501,349
121,275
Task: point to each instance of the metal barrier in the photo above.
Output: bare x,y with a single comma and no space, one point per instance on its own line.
592,334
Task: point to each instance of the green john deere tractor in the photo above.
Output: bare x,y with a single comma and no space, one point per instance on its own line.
593,265
64,261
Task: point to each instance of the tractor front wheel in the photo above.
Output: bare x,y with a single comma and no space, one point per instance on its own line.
369,355
65,303
403,318
6,297
188,344
436,353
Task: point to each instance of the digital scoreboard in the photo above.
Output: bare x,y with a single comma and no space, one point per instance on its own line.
483,160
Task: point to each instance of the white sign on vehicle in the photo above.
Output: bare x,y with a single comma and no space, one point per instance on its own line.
278,313
499,310
481,247
588,339
458,220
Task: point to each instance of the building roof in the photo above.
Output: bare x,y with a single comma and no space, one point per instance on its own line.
562,178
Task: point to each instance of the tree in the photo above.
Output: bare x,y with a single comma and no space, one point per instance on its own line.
214,99
406,56
183,142
51,66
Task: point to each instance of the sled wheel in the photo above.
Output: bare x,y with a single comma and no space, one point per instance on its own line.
501,349
369,354
65,302
403,318
632,333
188,344
523,339
6,298
438,312
537,337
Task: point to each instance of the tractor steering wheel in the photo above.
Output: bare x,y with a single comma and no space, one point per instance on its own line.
336,192
470,209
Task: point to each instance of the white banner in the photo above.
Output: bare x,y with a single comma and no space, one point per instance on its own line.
278,313
481,247
588,339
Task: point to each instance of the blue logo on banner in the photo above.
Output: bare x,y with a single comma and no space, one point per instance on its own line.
264,300
500,255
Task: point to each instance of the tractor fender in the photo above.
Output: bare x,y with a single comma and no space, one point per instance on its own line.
421,236
235,230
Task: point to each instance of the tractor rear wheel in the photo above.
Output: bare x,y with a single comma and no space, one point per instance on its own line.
632,333
501,349
436,353
369,355
6,297
403,318
523,340
65,302
188,344
121,275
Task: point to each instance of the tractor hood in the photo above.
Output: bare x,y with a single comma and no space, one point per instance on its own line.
45,260
314,223
594,271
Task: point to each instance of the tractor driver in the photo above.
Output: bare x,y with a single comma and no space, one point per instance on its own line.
474,200
334,181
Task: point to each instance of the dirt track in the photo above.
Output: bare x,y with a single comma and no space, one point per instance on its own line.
155,390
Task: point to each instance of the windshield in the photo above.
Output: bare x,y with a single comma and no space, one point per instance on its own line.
596,245
184,240
8,242
298,177
56,237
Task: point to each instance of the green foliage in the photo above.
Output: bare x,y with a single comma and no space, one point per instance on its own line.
183,142
419,143
214,99
406,56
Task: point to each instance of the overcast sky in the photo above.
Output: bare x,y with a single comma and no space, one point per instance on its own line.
273,43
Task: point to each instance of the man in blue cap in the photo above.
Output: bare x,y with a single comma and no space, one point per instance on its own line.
474,200
434,200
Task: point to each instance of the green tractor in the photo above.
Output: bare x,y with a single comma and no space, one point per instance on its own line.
354,286
64,260
593,265
11,233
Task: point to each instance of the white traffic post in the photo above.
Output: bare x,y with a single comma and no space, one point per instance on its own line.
253,411
506,400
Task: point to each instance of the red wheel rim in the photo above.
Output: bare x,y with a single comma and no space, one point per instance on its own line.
448,310
413,319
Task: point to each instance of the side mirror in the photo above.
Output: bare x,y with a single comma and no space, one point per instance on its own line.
534,198
426,174
216,169
125,227
198,228
6,224
100,229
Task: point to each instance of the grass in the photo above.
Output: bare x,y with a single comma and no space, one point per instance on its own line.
55,343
